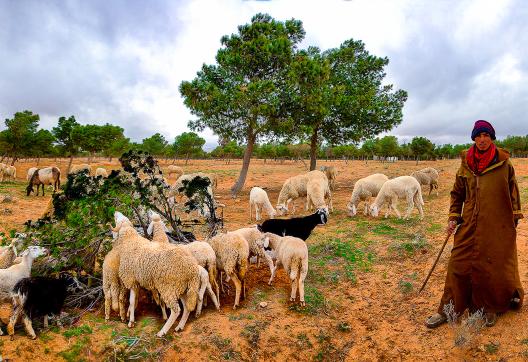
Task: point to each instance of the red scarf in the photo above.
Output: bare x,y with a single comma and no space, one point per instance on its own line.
479,161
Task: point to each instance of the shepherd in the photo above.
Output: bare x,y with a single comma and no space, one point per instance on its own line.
482,273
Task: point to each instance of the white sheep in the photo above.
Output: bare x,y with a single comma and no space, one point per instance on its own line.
232,253
258,199
317,194
42,177
405,187
170,272
292,254
10,276
252,235
9,172
364,189
100,171
294,188
428,177
174,170
81,167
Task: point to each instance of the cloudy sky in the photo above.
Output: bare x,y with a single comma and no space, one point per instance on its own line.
121,61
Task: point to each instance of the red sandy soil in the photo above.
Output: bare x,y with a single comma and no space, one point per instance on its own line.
377,316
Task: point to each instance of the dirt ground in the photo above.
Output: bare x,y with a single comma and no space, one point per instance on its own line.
361,290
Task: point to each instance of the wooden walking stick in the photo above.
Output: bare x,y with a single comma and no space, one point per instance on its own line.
436,261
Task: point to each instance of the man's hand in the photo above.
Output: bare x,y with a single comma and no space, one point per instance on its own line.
451,226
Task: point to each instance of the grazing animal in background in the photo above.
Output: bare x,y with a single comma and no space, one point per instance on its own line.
299,227
39,297
331,174
174,170
44,176
428,177
81,167
30,172
258,199
9,172
364,189
405,187
99,171
296,187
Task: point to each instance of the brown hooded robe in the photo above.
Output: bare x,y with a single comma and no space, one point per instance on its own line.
482,270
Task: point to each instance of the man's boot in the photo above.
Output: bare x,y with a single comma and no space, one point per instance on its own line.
435,320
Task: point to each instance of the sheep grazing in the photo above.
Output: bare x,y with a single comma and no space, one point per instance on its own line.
251,235
299,227
169,272
79,168
292,254
232,253
10,276
9,172
428,177
99,171
364,189
317,194
44,176
8,255
174,170
405,187
294,188
39,297
331,174
258,199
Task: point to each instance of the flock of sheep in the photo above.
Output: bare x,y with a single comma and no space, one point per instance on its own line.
184,276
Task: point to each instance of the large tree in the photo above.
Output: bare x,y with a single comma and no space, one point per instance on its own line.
19,135
188,144
241,97
156,145
339,95
64,137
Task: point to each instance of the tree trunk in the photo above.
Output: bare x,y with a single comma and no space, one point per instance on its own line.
187,159
245,164
38,160
313,150
69,165
14,160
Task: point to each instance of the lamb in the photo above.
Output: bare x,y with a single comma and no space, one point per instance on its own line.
81,167
292,253
331,174
39,297
428,177
317,191
294,188
174,170
299,227
258,198
9,171
8,255
10,276
170,272
400,187
364,189
99,171
232,253
44,176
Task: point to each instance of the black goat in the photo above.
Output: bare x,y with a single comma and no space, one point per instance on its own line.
300,227
37,297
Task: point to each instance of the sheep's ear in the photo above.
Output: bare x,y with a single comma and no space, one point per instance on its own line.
150,227
266,242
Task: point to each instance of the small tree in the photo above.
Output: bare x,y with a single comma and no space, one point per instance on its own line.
155,145
422,147
18,138
64,137
188,144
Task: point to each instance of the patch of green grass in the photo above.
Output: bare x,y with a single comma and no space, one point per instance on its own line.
315,302
410,246
148,321
343,327
77,331
384,229
491,348
524,341
259,296
303,341
252,332
241,316
224,345
434,228
73,353
405,286
45,337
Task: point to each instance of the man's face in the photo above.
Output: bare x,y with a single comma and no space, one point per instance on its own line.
483,141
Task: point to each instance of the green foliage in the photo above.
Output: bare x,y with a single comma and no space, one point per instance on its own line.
155,145
20,134
315,302
188,144
410,247
77,331
73,353
422,147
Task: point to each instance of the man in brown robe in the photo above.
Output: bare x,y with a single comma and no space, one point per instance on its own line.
482,273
